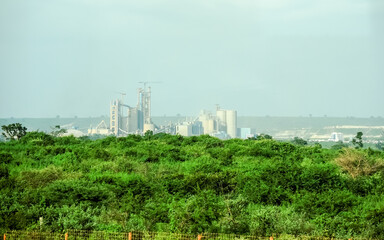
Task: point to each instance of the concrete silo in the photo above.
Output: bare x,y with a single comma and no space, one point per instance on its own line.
209,122
231,117
222,119
133,120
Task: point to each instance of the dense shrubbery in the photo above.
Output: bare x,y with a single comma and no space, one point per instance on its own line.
190,184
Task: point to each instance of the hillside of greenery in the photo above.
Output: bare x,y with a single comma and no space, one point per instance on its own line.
190,185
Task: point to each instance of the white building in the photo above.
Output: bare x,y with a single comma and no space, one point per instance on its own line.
101,129
224,121
245,133
336,137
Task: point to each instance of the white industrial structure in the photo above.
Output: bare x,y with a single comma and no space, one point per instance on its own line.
246,133
336,137
101,129
125,119
222,125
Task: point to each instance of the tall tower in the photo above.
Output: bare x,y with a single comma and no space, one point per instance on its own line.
231,118
144,106
115,117
222,119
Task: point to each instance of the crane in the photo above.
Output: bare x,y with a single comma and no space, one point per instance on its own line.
146,82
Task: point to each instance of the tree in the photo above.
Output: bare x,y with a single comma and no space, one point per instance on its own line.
57,131
299,141
14,131
263,136
358,140
148,135
358,163
339,145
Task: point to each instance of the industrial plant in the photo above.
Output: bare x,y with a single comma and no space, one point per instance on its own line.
127,119
222,125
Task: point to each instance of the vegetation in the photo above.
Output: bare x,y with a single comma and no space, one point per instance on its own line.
299,141
166,183
13,131
57,131
358,140
358,163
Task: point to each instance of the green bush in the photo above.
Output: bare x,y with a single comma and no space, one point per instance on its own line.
190,184
269,220
38,138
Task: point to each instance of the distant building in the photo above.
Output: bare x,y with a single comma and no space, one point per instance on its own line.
223,125
336,137
245,133
125,119
101,129
190,129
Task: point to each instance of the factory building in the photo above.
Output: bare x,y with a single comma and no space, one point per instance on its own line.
101,129
222,125
125,119
336,137
186,129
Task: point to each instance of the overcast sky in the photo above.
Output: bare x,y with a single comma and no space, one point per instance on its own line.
259,57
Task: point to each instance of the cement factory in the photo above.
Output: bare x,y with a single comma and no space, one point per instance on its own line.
126,119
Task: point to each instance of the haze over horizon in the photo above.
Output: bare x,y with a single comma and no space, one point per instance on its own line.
259,57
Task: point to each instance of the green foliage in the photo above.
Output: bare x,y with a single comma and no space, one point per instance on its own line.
197,213
57,131
39,178
13,131
359,163
38,138
339,145
299,141
160,182
263,136
75,216
357,141
5,157
4,171
269,220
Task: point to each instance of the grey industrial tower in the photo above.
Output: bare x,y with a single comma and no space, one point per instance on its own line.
125,119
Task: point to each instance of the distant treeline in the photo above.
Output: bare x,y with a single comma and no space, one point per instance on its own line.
265,124
168,183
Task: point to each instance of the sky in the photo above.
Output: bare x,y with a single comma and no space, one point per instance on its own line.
260,57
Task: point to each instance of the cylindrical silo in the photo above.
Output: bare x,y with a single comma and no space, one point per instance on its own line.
222,120
148,127
222,116
231,117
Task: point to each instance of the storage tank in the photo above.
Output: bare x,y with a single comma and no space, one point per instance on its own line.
148,127
222,116
221,120
184,130
209,126
231,118
133,120
212,126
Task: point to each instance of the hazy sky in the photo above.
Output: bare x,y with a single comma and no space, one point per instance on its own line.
266,57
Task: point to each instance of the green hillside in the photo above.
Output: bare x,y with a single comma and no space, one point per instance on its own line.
199,184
